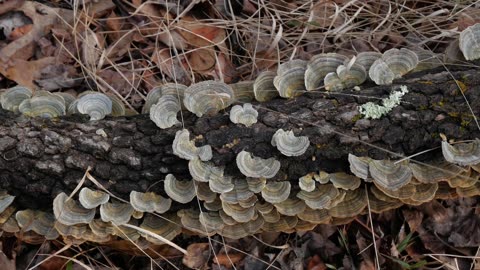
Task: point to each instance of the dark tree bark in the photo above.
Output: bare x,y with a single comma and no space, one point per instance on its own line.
40,157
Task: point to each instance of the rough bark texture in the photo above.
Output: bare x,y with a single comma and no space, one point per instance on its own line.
40,158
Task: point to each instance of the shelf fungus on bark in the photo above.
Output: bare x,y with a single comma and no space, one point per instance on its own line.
91,199
290,79
96,105
285,224
12,97
319,66
241,230
463,154
190,219
276,191
316,216
290,206
430,173
256,184
366,59
37,221
263,87
239,192
149,202
164,112
470,42
393,64
43,104
184,148
252,166
179,191
353,204
389,175
209,173
116,212
344,181
290,145
69,212
169,89
168,227
322,197
245,114
5,200
348,75
204,192
208,97
239,213
307,182
243,91
359,166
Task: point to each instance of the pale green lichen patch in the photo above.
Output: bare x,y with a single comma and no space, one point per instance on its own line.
375,111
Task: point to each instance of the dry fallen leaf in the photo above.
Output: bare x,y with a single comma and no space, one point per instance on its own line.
170,66
228,260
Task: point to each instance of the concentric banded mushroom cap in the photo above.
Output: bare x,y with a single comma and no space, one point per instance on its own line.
463,154
208,97
470,42
173,89
389,175
256,184
5,200
116,212
241,230
346,76
380,73
211,220
353,204
424,192
152,98
290,79
321,197
344,181
316,216
366,59
190,219
167,227
90,199
184,148
285,224
400,61
276,192
307,182
319,66
252,166
208,172
433,173
359,166
69,212
245,114
96,105
149,202
238,193
466,179
263,87
164,112
118,108
43,104
379,205
243,91
101,228
12,97
402,193
179,191
77,231
288,144
37,221
290,207
204,193
238,213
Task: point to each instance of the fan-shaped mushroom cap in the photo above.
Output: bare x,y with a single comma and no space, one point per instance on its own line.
37,221
424,192
276,192
402,193
388,175
380,73
69,212
468,191
97,105
116,212
190,220
208,97
11,225
90,199
173,89
245,114
353,204
5,200
215,205
463,154
382,203
43,104
226,218
243,91
366,59
149,202
12,97
359,166
290,79
167,227
465,179
440,171
127,233
316,216
184,148
6,214
211,220
238,213
288,144
252,166
319,66
101,228
239,192
256,184
346,76
427,59
204,193
179,191
268,212
344,181
152,98
118,108
207,172
164,112
444,192
321,197
470,42
285,224
76,231
307,183
67,97
263,87
241,230
394,64
290,207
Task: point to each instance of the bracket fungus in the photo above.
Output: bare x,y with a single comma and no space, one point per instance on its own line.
263,87
239,213
167,227
319,66
290,145
96,105
245,114
37,221
208,173
116,212
208,97
164,112
346,76
43,104
463,154
179,191
173,89
393,64
290,207
276,191
307,182
12,97
252,166
320,198
5,200
389,175
470,42
68,212
149,202
353,204
290,79
90,199
184,148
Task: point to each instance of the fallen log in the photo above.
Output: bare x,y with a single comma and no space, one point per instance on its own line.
42,157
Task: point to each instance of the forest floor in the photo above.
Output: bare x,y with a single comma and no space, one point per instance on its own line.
127,47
